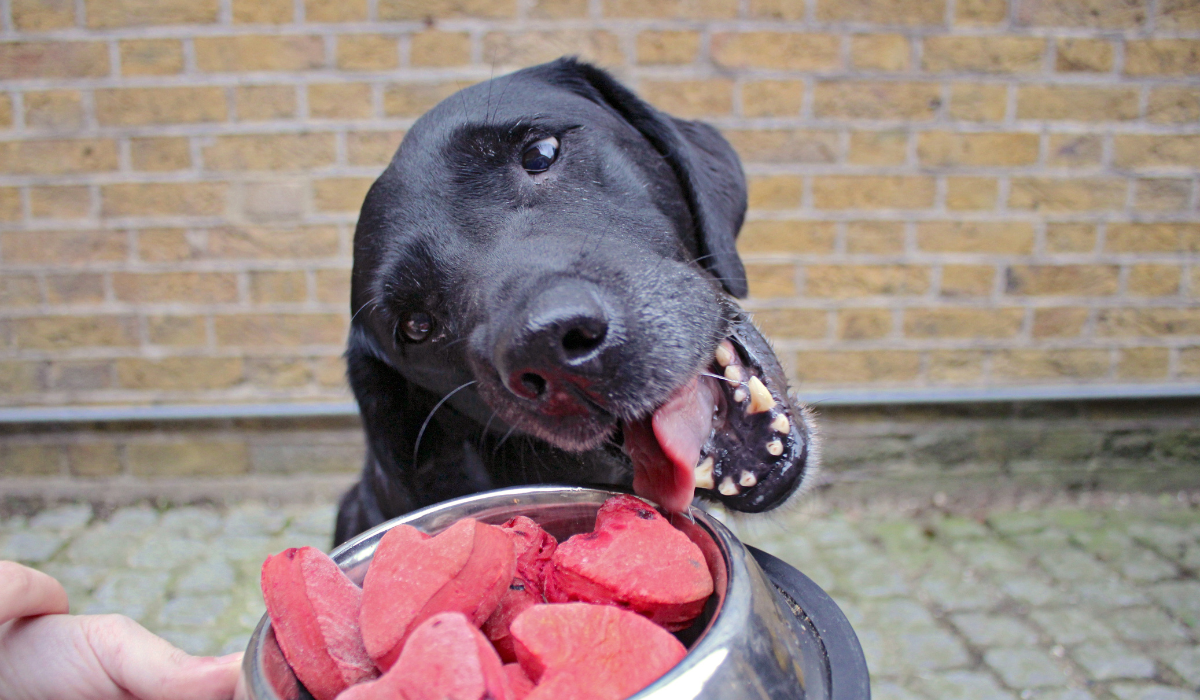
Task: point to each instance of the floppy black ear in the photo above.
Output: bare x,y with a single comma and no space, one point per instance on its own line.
707,166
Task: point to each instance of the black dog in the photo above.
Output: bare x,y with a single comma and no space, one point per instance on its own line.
542,293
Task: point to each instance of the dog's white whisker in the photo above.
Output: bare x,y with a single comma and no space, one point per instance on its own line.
733,373
425,423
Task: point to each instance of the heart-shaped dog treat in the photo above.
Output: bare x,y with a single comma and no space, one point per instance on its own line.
636,560
445,658
533,547
314,611
577,650
519,597
518,683
466,569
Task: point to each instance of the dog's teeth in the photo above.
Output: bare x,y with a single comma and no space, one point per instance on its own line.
775,447
704,474
739,395
748,480
781,424
760,399
733,373
727,487
724,353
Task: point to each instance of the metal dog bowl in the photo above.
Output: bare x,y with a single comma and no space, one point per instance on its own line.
768,632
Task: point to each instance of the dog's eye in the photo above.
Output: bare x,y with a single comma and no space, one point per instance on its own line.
416,326
540,156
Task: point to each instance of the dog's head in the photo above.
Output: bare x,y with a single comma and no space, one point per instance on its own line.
567,252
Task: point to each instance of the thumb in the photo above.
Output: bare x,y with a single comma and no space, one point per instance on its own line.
150,668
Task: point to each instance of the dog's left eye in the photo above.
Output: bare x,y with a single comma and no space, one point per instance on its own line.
540,156
416,326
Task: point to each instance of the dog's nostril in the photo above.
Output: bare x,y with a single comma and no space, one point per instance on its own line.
533,385
580,341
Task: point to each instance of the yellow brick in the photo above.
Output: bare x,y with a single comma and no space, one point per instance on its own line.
861,367
68,202
372,147
170,105
871,192
690,98
414,99
340,194
772,98
1148,322
333,286
558,9
122,13
263,11
1143,363
1078,103
789,10
160,153
771,280
64,332
1107,14
176,330
265,102
874,237
54,109
77,288
526,48
6,112
94,459
31,460
1173,105
1075,150
335,10
878,148
275,330
17,291
786,237
440,9
1162,57
20,377
1059,322
1189,362
882,11
57,157
367,52
1178,14
963,323
968,280
41,15
1055,280
180,373
1151,280
440,49
1162,194
863,324
187,458
978,102
340,101
1066,194
1008,238
256,52
966,193
1153,238
63,247
1134,151
946,149
668,47
273,243
980,12
212,287
791,323
1070,238
330,372
846,281
53,59
983,54
267,287
776,51
876,100
784,145
270,152
278,372
163,199
151,56
884,52
1050,364
1083,56
168,244
775,191
672,9
10,204
955,366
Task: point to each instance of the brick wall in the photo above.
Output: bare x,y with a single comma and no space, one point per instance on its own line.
943,192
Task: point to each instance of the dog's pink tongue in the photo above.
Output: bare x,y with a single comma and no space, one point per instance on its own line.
665,447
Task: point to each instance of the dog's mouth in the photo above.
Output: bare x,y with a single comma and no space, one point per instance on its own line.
731,432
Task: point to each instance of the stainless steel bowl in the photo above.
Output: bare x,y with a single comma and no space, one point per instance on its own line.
761,636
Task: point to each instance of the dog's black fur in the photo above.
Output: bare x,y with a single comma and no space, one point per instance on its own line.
636,220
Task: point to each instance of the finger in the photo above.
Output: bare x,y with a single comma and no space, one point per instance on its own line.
150,668
25,592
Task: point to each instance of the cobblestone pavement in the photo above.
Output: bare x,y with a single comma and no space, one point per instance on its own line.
1060,604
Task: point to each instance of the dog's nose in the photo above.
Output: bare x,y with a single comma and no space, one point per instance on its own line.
559,336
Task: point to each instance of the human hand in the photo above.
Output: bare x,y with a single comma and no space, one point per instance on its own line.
46,654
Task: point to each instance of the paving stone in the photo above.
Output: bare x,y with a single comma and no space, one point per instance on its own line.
317,520
1182,598
1140,564
304,538
77,579
191,641
1033,588
137,520
1105,595
1107,543
991,556
253,549
211,575
892,615
234,644
101,545
191,522
1070,626
1146,625
1105,662
254,519
1017,522
1025,668
1163,538
1057,694
135,594
163,551
956,527
875,579
1050,538
193,610
1074,566
994,630
929,651
62,519
31,547
1185,662
1132,691
885,690
963,684
956,592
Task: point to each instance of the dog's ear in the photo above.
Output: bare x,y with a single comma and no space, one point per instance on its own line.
707,166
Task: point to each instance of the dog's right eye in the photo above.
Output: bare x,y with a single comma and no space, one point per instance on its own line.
415,327
540,155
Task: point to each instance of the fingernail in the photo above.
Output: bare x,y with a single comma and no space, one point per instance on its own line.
227,659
